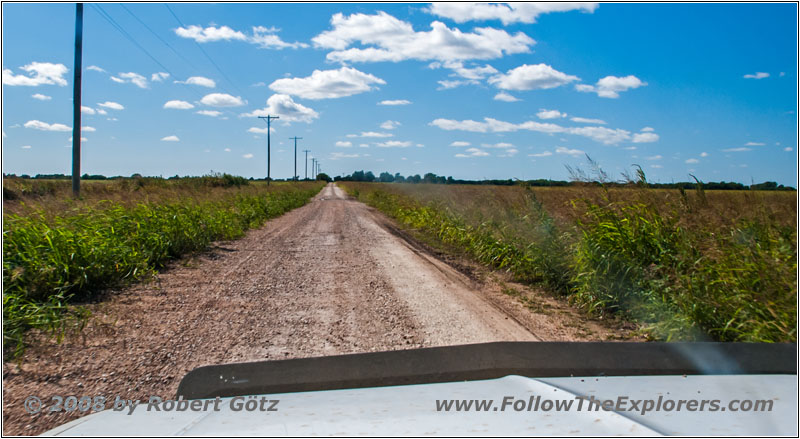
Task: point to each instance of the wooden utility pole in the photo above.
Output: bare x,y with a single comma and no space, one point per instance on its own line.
295,155
268,118
306,166
313,168
76,102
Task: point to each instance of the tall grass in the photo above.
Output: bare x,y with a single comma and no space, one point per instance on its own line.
685,266
51,259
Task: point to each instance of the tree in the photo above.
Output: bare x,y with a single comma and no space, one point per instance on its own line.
323,177
386,177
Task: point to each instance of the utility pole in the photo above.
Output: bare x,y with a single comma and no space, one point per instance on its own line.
313,168
268,118
295,155
76,102
306,167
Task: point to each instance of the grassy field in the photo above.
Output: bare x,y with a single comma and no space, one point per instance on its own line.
58,251
685,265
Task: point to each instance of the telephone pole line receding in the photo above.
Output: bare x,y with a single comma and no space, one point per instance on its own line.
295,155
76,101
313,167
306,166
268,118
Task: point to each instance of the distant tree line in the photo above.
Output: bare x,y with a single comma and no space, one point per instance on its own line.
432,178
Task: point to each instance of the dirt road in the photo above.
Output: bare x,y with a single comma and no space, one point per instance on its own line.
328,278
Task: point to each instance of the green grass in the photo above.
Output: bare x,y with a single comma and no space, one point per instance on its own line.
685,266
54,258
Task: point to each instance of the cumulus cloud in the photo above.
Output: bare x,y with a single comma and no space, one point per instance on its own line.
541,154
221,100
382,37
286,108
375,134
328,84
472,152
395,102
259,130
178,105
341,155
460,143
647,129
603,135
38,73
506,12
26,147
131,77
703,154
611,86
199,80
87,110
247,156
172,138
757,75
111,105
41,97
159,76
390,125
505,97
645,137
531,77
342,144
754,144
497,145
550,114
394,144
692,161
44,126
96,69
740,149
211,113
586,120
655,157
266,38
210,34
88,129
567,151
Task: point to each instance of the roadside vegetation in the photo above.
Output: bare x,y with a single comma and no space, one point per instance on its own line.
683,264
58,251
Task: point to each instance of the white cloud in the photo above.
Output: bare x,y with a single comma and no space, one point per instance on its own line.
363,145
511,152
754,144
111,105
395,102
788,148
210,34
341,144
159,76
227,150
211,113
497,145
247,156
341,155
645,137
531,77
266,38
375,134
655,157
757,75
327,84
611,86
447,84
390,125
382,37
286,108
88,129
586,120
133,78
394,144
541,154
199,80
572,152
505,97
170,139
99,111
550,114
41,97
703,154
603,135
472,152
96,69
87,110
259,130
26,147
221,100
656,166
648,129
44,126
460,143
740,149
507,13
178,105
692,161
39,73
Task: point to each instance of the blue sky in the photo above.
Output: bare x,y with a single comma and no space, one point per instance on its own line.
472,91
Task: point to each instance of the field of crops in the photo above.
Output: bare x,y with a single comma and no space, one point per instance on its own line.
685,265
58,251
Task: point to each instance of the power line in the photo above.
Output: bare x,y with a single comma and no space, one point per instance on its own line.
159,37
205,53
